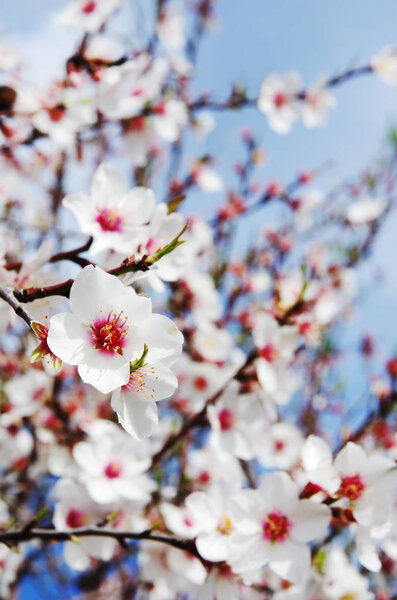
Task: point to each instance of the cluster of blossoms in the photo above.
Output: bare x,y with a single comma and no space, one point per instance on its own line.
251,478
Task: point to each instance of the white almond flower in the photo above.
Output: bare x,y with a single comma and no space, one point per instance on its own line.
366,210
318,101
278,100
366,484
135,402
208,180
111,465
169,118
211,511
74,509
384,64
341,580
62,121
108,328
124,90
112,215
237,422
273,526
88,15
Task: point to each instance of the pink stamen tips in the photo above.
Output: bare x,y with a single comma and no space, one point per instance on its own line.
56,113
89,7
351,487
200,383
269,352
113,470
75,519
276,527
109,220
280,99
226,419
109,335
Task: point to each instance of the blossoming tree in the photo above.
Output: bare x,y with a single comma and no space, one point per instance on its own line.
172,424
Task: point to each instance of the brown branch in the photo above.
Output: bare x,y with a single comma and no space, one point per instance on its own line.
67,255
52,535
8,296
129,265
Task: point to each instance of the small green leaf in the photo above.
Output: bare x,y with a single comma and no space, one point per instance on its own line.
168,248
75,539
139,362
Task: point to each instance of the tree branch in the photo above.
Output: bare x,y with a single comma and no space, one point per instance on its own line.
8,296
52,535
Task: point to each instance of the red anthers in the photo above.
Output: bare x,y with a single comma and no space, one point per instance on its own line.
276,527
269,352
280,99
351,487
75,519
89,7
226,419
200,383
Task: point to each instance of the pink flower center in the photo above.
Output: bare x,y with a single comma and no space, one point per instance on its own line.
269,352
280,99
56,113
137,124
278,445
200,383
109,335
276,527
89,7
351,487
75,518
159,108
150,244
113,470
312,99
225,418
204,477
109,220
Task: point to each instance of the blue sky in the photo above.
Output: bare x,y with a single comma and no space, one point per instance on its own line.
251,39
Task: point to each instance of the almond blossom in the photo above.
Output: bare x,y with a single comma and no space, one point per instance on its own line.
112,466
89,15
114,216
124,90
135,402
273,527
107,330
75,509
278,100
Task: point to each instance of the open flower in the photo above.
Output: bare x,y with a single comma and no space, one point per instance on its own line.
112,215
108,329
111,465
135,402
273,527
278,100
90,15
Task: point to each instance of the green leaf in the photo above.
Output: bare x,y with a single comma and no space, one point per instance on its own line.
168,248
139,362
174,203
